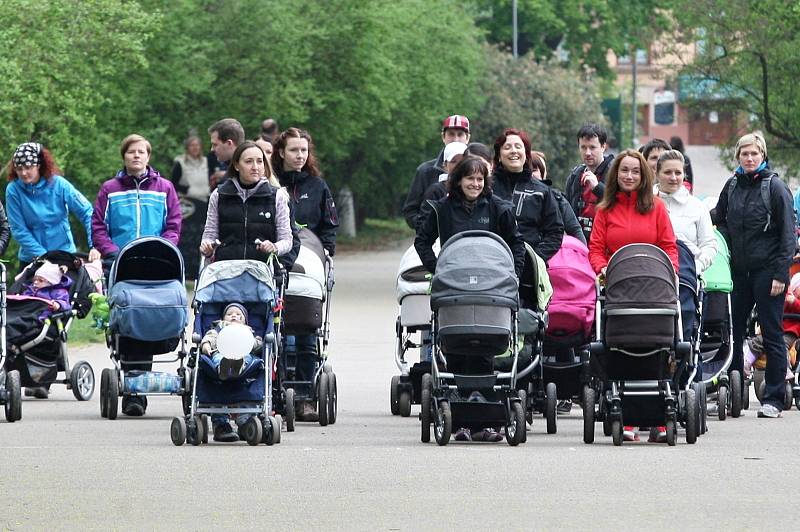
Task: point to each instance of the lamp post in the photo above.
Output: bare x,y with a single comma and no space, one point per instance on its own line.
514,28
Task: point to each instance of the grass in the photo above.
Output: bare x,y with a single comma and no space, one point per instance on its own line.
376,234
81,333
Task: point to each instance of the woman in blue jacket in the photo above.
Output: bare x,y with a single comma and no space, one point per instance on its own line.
39,202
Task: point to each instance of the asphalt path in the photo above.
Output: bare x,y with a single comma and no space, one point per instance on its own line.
64,467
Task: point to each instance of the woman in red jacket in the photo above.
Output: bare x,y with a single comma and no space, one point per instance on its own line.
631,214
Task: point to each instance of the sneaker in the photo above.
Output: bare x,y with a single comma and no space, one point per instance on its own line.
476,397
769,410
492,435
223,432
658,435
712,409
629,434
463,435
564,407
39,392
134,405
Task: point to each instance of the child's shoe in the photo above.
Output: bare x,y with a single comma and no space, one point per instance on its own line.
629,433
658,435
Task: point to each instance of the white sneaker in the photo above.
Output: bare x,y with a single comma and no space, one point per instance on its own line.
769,410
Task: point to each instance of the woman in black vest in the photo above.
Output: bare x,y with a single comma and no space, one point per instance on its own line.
246,209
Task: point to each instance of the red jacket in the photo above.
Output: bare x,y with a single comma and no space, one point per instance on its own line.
791,325
622,225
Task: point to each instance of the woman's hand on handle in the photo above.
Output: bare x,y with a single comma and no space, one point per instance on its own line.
777,288
93,255
207,248
266,246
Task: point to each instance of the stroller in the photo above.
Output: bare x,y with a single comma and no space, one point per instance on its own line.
36,348
474,299
306,311
716,336
414,316
10,385
565,360
252,284
148,316
638,330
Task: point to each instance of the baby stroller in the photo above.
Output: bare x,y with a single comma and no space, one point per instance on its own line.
716,336
306,311
570,317
252,284
414,316
36,348
148,316
10,383
474,299
638,329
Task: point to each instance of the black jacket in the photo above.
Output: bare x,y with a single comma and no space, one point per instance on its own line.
742,222
448,217
427,174
312,205
571,225
573,189
242,223
5,231
535,208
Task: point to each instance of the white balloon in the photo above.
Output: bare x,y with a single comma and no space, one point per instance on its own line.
235,341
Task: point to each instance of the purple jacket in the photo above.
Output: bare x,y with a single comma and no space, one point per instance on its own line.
127,208
57,292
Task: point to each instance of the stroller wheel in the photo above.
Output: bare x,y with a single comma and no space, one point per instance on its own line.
722,400
204,423
394,395
443,424
276,422
194,431
289,409
177,431
523,400
516,426
112,394
253,431
616,432
551,403
104,392
404,404
588,414
692,416
671,435
425,407
787,401
271,431
736,393
322,398
333,407
81,379
13,406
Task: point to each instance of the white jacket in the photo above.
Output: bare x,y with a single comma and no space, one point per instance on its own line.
692,224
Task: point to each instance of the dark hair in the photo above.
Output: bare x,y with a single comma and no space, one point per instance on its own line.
591,130
537,162
469,165
501,139
232,172
644,198
269,127
654,145
310,167
47,166
677,144
479,150
228,129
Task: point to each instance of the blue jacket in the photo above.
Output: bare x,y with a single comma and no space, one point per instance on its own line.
39,215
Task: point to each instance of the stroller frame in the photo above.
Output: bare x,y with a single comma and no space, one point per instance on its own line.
10,387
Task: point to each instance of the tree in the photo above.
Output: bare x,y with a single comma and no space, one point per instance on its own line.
547,100
746,54
582,30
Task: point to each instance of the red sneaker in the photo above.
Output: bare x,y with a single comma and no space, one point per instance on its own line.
658,435
629,433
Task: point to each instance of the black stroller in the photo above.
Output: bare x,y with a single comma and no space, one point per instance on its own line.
10,386
148,317
474,299
37,349
638,338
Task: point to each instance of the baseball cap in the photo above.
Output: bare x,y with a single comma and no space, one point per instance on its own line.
456,122
453,149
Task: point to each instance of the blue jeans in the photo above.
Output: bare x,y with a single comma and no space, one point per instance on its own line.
425,351
753,288
304,349
241,419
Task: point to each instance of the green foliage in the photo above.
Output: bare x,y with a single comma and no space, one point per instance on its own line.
583,30
548,101
748,51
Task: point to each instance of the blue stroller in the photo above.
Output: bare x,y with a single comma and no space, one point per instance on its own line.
252,284
148,317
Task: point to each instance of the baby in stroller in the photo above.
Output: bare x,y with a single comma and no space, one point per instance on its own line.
49,282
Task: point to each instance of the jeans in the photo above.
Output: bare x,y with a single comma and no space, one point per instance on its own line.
425,350
304,349
241,419
753,288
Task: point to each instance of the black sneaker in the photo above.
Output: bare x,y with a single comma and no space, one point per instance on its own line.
223,432
134,405
39,392
564,407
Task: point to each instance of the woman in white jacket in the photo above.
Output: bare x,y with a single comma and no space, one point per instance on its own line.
690,218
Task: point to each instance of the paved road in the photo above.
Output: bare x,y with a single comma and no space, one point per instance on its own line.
66,468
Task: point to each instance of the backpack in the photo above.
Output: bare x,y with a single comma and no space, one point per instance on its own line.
765,196
572,307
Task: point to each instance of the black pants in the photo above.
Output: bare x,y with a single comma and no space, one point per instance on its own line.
753,288
470,365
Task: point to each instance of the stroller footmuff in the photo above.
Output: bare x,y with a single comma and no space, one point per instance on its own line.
474,298
36,338
148,316
639,342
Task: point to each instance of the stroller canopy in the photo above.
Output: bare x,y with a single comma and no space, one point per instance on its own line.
307,278
243,281
475,267
411,274
717,277
150,258
641,276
